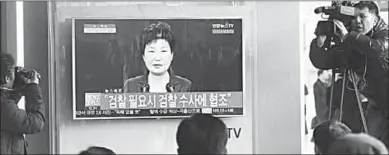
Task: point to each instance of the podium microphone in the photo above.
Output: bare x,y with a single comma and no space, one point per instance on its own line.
145,88
169,88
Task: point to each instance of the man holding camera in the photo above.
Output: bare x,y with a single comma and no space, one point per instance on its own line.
16,122
364,52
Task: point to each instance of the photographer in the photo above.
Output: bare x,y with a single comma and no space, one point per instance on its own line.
364,50
14,121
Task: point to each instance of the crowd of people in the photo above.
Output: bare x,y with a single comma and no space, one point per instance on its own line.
198,134
205,134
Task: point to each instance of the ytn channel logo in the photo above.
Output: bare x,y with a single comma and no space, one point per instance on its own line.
223,28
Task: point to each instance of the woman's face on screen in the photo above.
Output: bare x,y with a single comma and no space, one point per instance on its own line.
158,56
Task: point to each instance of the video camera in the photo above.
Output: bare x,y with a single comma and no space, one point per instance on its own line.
343,11
20,73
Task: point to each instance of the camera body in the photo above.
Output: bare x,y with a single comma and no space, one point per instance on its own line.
20,73
343,11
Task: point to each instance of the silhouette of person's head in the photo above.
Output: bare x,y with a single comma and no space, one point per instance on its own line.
97,150
326,133
202,134
358,144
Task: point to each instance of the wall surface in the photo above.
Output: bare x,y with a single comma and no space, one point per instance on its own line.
278,118
36,57
8,27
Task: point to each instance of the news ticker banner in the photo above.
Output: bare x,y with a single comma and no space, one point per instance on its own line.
161,104
217,28
99,28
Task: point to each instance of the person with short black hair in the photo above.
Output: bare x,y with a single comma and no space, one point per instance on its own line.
93,150
16,122
326,133
202,134
157,46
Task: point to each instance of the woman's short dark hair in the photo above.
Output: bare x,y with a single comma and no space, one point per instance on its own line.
157,30
7,65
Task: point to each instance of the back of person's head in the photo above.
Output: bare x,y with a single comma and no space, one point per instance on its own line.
97,150
326,133
358,144
202,134
6,67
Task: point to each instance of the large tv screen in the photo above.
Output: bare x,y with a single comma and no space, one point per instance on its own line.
157,68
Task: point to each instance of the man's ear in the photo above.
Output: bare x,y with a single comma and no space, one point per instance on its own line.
376,20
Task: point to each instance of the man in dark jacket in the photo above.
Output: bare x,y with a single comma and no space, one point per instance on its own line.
320,91
364,50
16,122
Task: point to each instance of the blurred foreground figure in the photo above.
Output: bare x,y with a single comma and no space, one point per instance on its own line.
97,150
202,134
327,133
358,144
